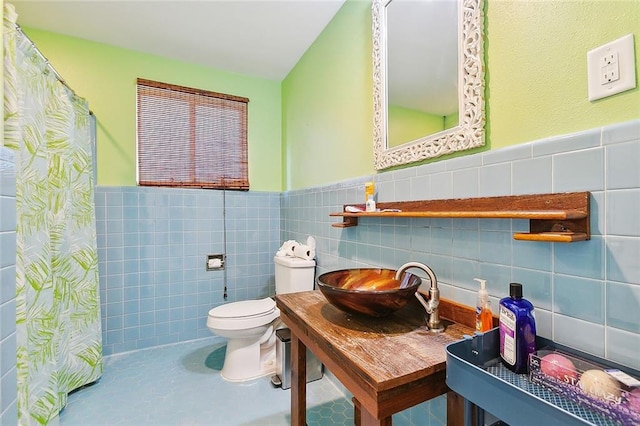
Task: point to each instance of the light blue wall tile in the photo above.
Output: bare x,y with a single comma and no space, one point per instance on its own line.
494,224
579,298
495,180
579,334
430,168
622,254
468,224
463,273
441,239
622,165
622,347
465,183
464,162
532,255
623,210
498,278
623,306
7,249
544,323
584,259
130,197
7,214
130,212
420,239
7,283
441,186
568,143
402,190
495,247
8,386
420,188
536,286
532,176
7,315
621,132
578,171
8,358
508,154
442,266
465,244
148,257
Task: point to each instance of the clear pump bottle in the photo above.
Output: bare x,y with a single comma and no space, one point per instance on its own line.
484,316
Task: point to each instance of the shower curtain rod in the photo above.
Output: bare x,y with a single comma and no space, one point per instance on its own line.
46,61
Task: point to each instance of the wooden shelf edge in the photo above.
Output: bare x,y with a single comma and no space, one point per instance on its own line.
555,217
552,237
493,214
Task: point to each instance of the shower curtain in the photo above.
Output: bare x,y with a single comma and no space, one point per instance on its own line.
58,329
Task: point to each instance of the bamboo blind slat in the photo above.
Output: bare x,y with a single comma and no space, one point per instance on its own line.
191,137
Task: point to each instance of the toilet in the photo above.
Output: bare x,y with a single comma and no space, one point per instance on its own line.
249,325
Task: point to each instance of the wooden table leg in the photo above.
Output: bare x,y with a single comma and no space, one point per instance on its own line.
361,417
298,382
455,409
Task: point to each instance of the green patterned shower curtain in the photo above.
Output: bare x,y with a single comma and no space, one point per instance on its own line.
59,344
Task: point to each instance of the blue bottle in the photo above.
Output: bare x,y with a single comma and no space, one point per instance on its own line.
517,330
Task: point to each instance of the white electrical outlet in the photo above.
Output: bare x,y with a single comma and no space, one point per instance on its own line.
610,71
611,68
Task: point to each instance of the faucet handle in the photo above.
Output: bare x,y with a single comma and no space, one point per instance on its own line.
428,306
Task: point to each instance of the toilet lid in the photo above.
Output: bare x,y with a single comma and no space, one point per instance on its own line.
244,308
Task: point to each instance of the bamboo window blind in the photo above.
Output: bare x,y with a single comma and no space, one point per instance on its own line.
190,137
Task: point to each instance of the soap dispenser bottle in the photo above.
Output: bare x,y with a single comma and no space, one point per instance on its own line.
370,205
484,316
517,330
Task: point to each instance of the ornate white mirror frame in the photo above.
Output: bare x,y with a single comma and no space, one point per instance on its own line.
469,133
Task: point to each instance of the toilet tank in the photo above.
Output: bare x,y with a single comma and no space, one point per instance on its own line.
294,274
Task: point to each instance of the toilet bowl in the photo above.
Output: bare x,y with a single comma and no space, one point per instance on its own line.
249,325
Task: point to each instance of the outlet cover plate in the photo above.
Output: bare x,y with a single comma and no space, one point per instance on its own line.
599,64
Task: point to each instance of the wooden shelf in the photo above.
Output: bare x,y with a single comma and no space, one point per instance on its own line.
561,217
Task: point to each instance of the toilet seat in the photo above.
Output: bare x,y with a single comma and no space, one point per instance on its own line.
243,314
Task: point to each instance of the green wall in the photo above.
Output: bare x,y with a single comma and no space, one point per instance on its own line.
535,59
405,125
106,76
316,126
537,67
327,109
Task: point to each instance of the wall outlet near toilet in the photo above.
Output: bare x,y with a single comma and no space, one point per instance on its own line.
215,262
611,68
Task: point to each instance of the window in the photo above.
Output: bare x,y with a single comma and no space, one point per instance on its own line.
191,138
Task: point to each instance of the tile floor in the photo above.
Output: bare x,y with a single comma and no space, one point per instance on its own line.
180,384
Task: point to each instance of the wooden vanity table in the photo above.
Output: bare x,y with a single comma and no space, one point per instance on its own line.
388,364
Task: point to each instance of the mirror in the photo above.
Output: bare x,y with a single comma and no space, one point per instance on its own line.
428,79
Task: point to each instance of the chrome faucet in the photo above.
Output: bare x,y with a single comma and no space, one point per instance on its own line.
434,322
